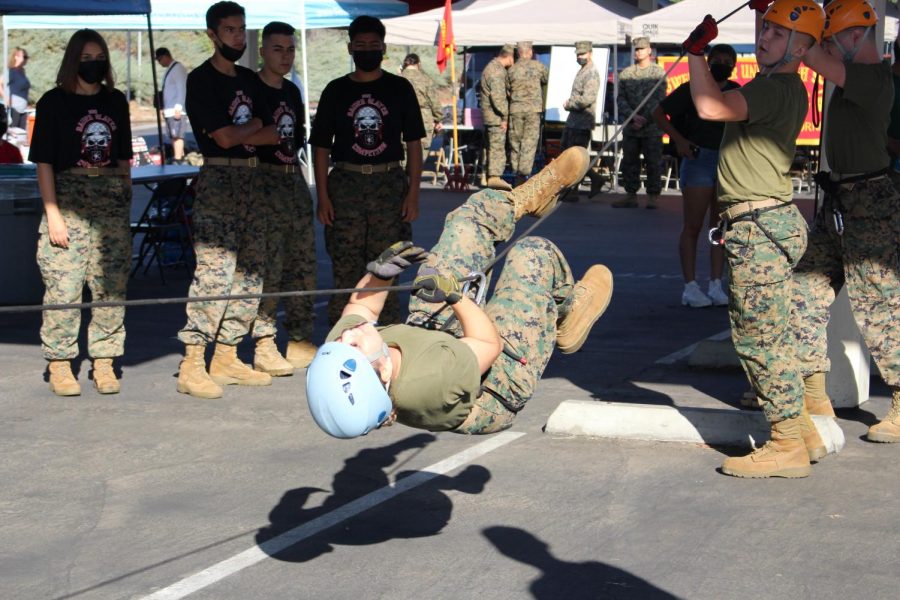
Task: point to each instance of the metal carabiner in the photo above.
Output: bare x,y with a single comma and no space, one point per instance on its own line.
838,221
480,280
716,235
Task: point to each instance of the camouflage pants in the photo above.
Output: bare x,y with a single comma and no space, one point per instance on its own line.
96,211
230,244
632,148
290,255
532,294
760,304
495,150
867,259
367,220
524,137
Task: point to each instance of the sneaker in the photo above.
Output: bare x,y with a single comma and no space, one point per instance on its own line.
694,297
539,194
716,293
592,295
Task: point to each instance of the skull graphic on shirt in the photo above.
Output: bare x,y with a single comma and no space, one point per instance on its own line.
95,143
242,114
368,125
285,127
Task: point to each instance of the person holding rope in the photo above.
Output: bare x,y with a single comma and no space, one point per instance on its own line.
764,234
855,235
82,148
420,373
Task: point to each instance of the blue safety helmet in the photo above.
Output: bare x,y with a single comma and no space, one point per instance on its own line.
346,397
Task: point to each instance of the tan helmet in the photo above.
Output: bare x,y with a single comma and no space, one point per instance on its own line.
803,16
844,14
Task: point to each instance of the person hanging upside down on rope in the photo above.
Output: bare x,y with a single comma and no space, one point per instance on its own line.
455,366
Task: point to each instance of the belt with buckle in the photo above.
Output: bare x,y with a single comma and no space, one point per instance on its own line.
743,208
219,161
367,169
845,178
99,171
280,168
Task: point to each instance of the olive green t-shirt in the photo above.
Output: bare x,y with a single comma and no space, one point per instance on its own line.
756,155
858,119
438,380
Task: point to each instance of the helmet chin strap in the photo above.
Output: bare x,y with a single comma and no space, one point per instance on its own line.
850,54
767,70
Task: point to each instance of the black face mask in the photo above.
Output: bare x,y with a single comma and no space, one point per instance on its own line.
368,60
581,61
93,71
231,54
721,72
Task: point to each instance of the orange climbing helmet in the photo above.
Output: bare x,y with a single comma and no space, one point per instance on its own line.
844,14
803,16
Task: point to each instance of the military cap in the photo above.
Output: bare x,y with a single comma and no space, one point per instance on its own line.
523,46
582,47
641,42
507,49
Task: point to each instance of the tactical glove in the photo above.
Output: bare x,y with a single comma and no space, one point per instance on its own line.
397,258
433,287
702,35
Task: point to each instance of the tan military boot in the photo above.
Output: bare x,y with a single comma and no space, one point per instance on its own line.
497,183
783,456
192,376
540,193
226,368
592,295
629,201
301,353
887,430
815,447
816,397
62,381
105,377
652,200
269,360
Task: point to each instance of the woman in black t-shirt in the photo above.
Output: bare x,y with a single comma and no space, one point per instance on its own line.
82,147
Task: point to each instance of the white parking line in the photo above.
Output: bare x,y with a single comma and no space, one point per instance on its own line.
673,358
269,548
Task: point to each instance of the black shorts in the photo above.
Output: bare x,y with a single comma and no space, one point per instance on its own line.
175,127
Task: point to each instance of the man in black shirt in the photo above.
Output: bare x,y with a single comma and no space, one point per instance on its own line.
362,121
224,108
290,236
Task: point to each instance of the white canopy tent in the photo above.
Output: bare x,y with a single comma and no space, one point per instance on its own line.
544,22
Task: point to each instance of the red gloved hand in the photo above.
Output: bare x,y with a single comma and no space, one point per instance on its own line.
702,35
760,5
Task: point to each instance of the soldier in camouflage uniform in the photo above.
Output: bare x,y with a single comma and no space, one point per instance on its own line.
582,107
426,93
536,305
855,236
642,136
527,79
494,88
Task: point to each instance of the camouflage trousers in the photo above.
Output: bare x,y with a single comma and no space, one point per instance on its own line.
760,304
632,148
230,245
367,220
96,212
290,255
495,150
524,137
867,259
533,292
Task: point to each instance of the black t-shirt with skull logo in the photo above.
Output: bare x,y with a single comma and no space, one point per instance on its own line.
366,123
284,107
215,100
71,130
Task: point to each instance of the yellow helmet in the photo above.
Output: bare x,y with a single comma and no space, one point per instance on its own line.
804,16
844,14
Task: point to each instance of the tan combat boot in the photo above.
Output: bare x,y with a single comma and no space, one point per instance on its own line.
592,295
226,368
783,456
540,193
497,183
300,353
269,360
652,200
192,376
887,430
816,397
105,377
815,447
629,201
62,382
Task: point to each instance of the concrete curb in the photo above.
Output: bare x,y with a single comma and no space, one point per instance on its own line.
714,426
